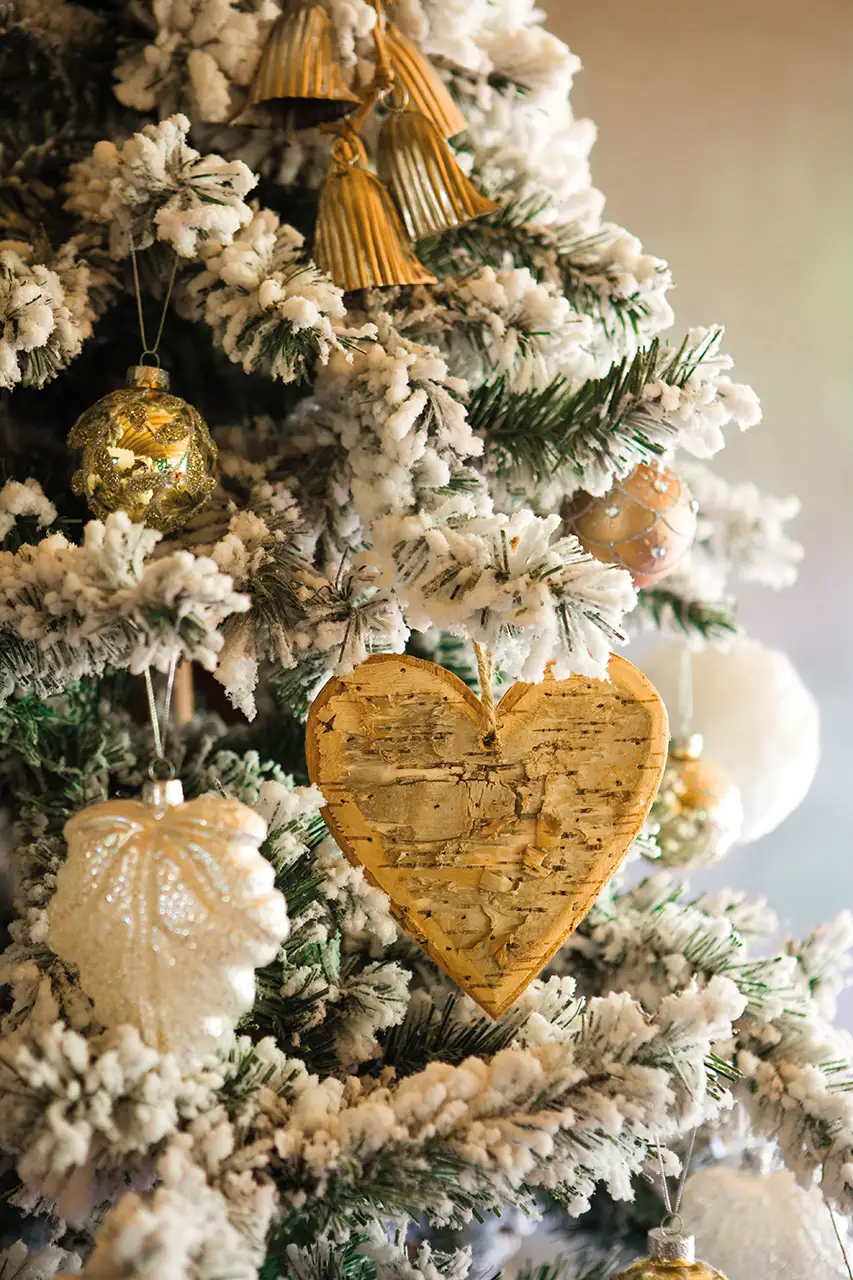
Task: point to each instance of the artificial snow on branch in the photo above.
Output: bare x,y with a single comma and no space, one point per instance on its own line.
155,186
503,322
27,499
306,619
605,275
741,531
503,581
199,55
399,414
69,611
585,437
796,1069
46,314
270,308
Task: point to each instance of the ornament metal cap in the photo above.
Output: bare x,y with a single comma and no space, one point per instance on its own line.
668,1245
163,793
299,82
688,747
148,375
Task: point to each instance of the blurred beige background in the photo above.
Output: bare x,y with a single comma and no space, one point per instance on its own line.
725,142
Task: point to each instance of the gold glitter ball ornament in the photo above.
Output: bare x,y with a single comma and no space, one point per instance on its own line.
645,524
698,810
144,452
672,1256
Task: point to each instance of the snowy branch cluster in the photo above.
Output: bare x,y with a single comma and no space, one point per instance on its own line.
68,611
239,1138
794,1066
393,476
571,1090
46,313
452,529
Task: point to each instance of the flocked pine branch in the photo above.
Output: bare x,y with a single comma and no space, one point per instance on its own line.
796,1069
604,275
270,308
445,1141
601,429
500,321
69,611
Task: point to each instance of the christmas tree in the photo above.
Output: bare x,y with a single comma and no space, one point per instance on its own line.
320,962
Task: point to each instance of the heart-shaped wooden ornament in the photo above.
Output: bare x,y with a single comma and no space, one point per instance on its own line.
492,844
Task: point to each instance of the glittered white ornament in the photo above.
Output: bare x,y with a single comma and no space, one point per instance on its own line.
166,909
755,1224
759,723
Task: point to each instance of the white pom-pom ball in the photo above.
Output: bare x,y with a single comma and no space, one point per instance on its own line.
752,1225
758,721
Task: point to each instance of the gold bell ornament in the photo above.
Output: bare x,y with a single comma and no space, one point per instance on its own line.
419,169
360,241
299,83
672,1256
645,523
144,452
427,93
698,810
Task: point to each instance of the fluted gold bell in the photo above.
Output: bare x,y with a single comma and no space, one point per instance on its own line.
299,82
427,93
360,241
144,452
419,169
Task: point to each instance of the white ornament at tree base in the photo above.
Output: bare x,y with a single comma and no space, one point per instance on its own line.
759,723
758,1225
166,909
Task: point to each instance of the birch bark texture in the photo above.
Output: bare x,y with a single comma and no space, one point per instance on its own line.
492,841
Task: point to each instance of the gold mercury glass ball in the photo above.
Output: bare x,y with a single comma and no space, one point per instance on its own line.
645,523
654,1269
144,452
698,809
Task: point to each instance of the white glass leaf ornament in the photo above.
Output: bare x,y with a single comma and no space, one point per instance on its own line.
166,908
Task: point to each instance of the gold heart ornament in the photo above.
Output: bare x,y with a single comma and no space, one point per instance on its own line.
492,842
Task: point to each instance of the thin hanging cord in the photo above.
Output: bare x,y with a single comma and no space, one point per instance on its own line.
152,712
838,1237
486,675
685,1169
146,350
673,1209
685,692
167,701
160,739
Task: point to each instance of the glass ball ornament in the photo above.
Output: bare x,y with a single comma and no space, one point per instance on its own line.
144,452
698,810
672,1256
645,523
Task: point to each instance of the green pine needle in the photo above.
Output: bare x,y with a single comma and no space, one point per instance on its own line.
664,608
563,426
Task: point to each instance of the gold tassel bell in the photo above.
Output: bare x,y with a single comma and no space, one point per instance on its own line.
421,172
299,83
360,241
365,222
426,91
